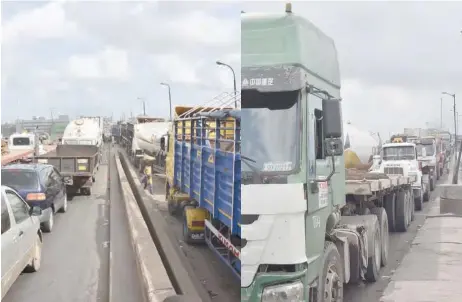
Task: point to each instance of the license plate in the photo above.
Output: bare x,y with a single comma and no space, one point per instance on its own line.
82,168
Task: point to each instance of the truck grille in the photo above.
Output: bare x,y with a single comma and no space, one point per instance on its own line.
393,171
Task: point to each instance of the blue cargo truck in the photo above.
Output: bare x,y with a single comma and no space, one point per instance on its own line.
204,178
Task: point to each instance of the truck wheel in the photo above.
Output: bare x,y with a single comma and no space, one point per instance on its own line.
418,201
390,208
186,233
330,282
384,236
432,183
426,195
402,212
437,173
373,263
410,196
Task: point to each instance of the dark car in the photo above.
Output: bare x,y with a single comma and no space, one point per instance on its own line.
39,185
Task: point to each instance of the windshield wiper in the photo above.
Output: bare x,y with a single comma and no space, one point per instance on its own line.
247,161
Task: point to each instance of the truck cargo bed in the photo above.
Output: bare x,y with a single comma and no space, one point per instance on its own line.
73,160
368,183
72,151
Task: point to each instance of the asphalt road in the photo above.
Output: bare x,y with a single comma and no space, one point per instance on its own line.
75,256
215,276
400,244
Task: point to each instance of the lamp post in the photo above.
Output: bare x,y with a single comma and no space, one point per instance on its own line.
169,98
455,174
234,79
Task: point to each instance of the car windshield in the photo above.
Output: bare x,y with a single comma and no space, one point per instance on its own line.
270,133
19,179
399,153
429,149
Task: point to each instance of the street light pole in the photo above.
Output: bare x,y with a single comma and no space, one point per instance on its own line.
169,98
441,113
234,79
456,168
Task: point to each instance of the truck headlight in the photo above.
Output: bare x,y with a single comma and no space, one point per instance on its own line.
290,292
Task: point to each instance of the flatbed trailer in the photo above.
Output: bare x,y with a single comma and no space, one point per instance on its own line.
204,180
14,156
76,163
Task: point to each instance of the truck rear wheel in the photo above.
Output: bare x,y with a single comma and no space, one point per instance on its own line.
402,212
390,208
374,261
330,281
418,201
432,183
384,236
438,173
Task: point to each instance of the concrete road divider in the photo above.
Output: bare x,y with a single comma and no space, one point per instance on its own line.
156,282
181,273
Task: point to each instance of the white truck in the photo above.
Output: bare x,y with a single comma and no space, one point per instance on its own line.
308,225
402,159
150,140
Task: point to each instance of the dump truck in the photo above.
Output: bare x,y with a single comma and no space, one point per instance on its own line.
308,225
203,178
76,163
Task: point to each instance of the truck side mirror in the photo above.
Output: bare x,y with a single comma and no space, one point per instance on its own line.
332,118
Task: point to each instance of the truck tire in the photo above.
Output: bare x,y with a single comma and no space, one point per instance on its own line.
432,183
418,201
438,173
330,282
390,208
402,212
411,204
384,236
374,261
426,195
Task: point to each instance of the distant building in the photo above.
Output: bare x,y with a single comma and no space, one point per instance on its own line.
54,127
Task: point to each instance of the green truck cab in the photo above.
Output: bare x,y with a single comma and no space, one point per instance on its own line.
306,227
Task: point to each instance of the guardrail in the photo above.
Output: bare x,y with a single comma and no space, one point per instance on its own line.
164,270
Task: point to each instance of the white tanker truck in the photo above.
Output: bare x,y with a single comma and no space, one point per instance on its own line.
150,141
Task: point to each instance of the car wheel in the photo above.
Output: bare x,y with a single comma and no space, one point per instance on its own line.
48,225
64,208
36,260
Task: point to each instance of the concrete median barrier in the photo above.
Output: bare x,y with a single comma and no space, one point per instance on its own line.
155,280
451,199
177,268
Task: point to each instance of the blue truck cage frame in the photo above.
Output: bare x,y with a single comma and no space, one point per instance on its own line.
207,168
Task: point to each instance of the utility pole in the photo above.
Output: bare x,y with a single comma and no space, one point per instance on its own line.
144,108
169,98
455,174
234,80
441,114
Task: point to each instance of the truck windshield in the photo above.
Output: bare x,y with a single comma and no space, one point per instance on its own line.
429,149
21,141
270,131
399,153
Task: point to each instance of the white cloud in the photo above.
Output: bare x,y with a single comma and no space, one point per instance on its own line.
200,27
176,68
48,21
110,63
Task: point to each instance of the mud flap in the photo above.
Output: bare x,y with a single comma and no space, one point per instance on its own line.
194,224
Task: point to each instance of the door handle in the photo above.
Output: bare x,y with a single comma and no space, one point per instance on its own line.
20,233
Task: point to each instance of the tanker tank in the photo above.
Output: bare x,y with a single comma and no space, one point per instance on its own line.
359,147
83,131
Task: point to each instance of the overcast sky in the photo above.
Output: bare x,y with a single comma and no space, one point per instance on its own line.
99,57
395,58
